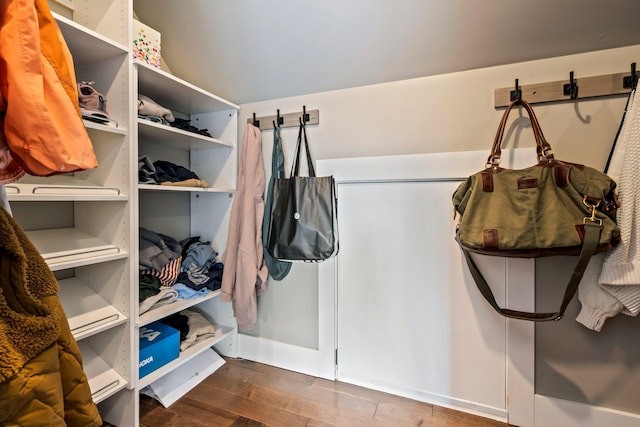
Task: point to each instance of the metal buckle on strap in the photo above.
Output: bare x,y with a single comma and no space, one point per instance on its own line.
493,162
548,152
592,218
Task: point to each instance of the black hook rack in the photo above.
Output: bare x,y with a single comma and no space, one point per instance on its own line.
309,117
516,95
571,89
631,82
613,84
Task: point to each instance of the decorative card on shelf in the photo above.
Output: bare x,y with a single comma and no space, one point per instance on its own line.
146,44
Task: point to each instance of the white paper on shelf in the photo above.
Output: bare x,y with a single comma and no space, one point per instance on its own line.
171,387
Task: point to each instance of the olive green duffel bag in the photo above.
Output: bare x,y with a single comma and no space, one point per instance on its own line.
551,208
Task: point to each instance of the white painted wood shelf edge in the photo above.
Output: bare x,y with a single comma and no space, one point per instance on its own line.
104,381
185,356
87,312
175,307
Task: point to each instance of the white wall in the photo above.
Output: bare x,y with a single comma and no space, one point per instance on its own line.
452,112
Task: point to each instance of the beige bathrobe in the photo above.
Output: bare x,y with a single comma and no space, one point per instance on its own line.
245,273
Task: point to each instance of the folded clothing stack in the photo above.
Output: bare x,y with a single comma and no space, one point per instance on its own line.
199,269
151,110
160,261
193,327
166,173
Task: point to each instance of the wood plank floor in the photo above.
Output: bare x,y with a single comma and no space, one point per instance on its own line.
245,393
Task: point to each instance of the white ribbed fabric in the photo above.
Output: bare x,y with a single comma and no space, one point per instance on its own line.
620,274
598,302
597,305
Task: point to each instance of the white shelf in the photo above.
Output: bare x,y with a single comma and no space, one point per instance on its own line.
86,44
19,191
104,127
64,248
104,381
175,384
169,309
87,312
185,356
177,94
176,138
156,187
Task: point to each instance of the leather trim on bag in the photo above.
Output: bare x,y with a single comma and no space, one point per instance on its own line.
525,183
490,238
561,174
580,231
487,182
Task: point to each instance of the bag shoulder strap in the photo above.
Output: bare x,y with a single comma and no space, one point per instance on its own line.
615,140
277,154
591,239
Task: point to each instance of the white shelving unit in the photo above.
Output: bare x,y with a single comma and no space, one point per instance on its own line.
183,212
82,222
85,224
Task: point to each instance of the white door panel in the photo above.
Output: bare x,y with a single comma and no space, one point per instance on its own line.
409,317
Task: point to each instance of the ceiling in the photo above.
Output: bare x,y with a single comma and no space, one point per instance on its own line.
255,50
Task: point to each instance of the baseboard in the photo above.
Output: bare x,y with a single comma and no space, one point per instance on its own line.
437,399
552,412
281,355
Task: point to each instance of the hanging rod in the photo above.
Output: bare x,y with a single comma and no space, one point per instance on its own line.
589,87
286,120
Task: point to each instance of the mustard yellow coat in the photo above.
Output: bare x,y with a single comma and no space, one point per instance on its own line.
42,382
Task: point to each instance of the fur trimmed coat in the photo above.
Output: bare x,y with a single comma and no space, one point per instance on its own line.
42,382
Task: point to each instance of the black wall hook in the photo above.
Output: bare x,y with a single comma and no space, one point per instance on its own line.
571,88
631,82
280,120
516,95
305,116
255,122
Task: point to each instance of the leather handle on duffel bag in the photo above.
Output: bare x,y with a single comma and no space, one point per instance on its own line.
591,239
543,148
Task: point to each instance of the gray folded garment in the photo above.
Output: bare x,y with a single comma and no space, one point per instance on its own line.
156,250
148,107
167,295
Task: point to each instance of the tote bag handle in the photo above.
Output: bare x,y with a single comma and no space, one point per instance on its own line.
295,170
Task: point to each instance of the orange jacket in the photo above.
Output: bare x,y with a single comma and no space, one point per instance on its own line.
39,113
